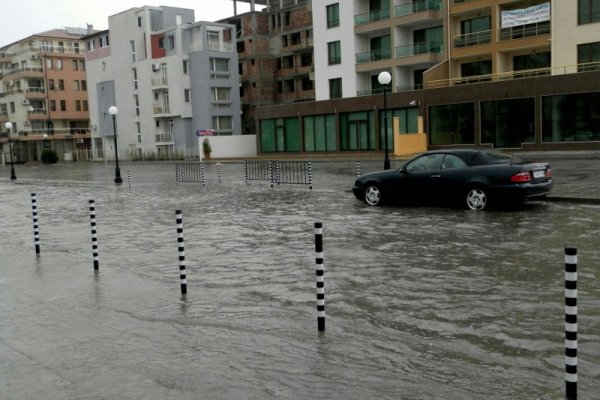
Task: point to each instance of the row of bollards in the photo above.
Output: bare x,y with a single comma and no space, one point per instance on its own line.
570,284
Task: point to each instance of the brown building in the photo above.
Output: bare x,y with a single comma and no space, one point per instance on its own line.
275,51
43,93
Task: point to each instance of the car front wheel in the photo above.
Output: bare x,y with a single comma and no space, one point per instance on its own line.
373,195
476,199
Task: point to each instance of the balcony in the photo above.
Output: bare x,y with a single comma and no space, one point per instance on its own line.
163,137
417,6
160,109
23,72
376,15
523,31
35,93
160,81
374,55
473,39
414,49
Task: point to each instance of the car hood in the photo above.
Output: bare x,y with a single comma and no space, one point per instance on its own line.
377,176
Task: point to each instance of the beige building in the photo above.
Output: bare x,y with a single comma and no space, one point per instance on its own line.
43,93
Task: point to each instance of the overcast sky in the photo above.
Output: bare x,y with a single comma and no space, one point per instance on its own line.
23,18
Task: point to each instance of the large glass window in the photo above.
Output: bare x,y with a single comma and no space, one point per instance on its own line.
357,131
333,15
474,31
571,117
588,11
319,133
281,134
482,69
508,123
219,64
334,52
588,57
531,61
452,124
335,88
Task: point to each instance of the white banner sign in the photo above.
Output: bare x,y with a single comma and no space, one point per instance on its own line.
526,16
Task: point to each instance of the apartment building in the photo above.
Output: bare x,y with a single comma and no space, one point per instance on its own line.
43,93
275,50
170,79
521,74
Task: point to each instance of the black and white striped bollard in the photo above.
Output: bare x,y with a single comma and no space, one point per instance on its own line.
357,169
94,235
571,322
176,173
180,248
129,178
310,174
320,276
219,174
36,228
203,174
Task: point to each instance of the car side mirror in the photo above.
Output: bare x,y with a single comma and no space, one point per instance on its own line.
403,169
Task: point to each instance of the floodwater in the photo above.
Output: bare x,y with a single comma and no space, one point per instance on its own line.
421,303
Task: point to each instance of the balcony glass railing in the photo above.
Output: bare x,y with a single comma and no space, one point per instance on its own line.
414,49
163,137
375,55
417,6
472,39
523,31
372,16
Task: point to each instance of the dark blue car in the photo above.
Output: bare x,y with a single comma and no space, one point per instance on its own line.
471,178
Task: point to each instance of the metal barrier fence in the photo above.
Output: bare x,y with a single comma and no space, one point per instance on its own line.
278,172
190,173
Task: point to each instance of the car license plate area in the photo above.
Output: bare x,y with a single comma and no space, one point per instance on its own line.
539,173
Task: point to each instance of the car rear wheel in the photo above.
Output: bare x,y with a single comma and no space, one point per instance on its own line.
476,199
373,195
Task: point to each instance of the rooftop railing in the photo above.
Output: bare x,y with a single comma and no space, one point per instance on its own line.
417,6
372,16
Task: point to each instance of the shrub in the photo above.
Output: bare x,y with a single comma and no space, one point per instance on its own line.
49,157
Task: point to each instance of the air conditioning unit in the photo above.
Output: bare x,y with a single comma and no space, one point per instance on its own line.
34,57
155,67
26,123
25,102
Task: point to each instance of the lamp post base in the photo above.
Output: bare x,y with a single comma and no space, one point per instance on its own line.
386,164
118,178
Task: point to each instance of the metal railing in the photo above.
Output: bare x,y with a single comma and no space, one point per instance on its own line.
163,137
279,172
160,81
419,48
160,109
523,31
473,39
20,71
372,16
417,6
374,55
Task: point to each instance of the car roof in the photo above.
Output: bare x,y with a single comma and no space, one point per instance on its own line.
477,156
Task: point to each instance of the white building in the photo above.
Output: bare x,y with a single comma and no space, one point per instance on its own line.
169,77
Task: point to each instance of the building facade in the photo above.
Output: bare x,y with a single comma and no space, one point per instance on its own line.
43,93
170,79
520,74
275,50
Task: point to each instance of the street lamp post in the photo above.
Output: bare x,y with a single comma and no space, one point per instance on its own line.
13,176
384,79
112,110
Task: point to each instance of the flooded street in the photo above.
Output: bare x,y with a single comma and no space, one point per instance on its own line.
421,303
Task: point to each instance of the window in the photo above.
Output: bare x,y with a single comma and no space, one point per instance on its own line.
75,65
59,63
508,123
52,105
287,17
81,65
222,124
335,88
452,124
136,103
186,95
178,19
284,41
588,57
61,84
306,59
48,63
532,61
334,52
477,68
474,31
171,42
132,47
281,134
63,105
319,133
295,38
139,20
219,64
333,15
51,84
307,83
186,66
135,78
76,86
571,117
588,11
85,105
221,94
77,105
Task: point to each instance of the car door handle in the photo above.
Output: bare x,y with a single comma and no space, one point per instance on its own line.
436,176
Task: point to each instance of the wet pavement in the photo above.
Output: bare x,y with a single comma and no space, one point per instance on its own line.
421,303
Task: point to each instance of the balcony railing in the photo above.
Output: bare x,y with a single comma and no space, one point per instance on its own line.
375,15
472,39
220,46
417,6
160,81
37,111
590,66
164,137
419,48
160,109
22,71
375,55
35,90
523,31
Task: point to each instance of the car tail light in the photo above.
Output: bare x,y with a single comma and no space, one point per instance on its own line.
548,173
521,177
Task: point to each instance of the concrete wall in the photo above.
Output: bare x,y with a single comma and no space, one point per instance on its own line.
236,146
